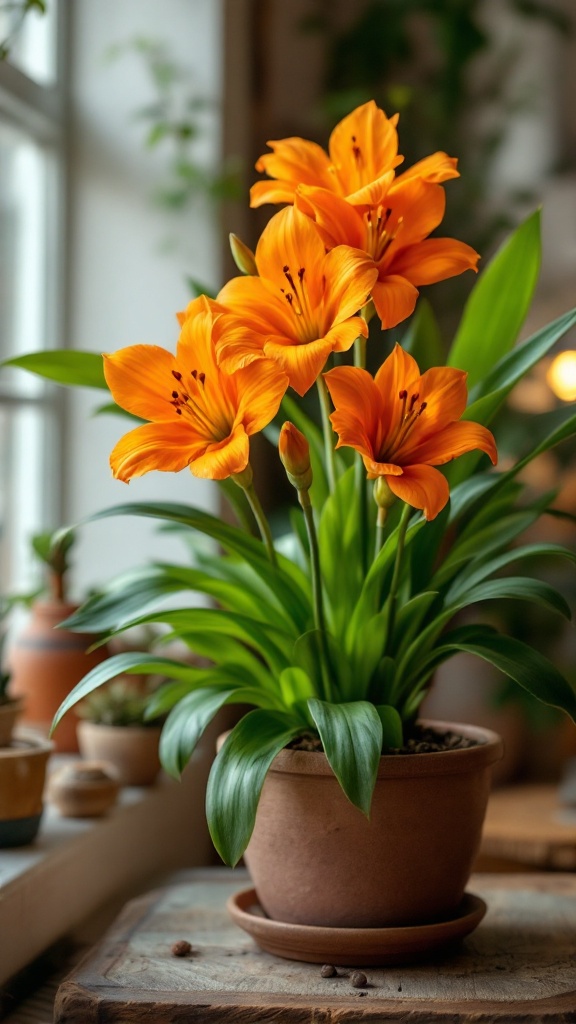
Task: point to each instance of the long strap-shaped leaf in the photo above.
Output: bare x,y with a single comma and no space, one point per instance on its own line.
237,777
186,723
285,579
351,735
64,366
498,304
525,666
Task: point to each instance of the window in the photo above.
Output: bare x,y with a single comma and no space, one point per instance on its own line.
31,231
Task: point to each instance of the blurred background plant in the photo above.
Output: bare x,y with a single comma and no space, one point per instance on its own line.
12,15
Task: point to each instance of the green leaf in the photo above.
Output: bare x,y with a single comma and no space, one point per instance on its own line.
479,569
237,777
525,666
423,339
65,366
487,397
340,551
498,304
351,735
295,686
185,725
130,662
521,588
392,731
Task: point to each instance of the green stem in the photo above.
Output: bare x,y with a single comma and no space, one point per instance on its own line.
263,524
393,593
360,352
328,433
319,621
380,529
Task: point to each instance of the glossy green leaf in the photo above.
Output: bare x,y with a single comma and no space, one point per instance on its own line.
237,777
130,662
295,686
521,588
525,666
185,725
480,568
392,730
351,735
423,339
64,366
498,304
341,551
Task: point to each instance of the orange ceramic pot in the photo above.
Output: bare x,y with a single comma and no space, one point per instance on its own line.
46,663
22,777
316,860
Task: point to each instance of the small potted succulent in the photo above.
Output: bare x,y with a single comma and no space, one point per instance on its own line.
114,729
45,661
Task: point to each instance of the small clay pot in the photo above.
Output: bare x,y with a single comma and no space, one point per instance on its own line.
131,749
45,665
316,860
84,789
9,714
22,777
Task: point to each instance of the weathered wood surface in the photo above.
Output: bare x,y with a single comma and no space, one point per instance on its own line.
518,966
528,825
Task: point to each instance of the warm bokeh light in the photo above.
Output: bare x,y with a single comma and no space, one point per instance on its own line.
561,376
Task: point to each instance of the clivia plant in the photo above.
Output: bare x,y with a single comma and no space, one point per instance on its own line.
334,632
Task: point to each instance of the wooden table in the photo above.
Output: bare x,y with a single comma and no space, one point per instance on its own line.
518,966
528,827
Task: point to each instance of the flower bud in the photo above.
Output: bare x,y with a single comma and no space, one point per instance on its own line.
295,455
383,496
243,256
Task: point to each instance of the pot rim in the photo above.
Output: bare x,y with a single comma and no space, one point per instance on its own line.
27,743
489,749
101,727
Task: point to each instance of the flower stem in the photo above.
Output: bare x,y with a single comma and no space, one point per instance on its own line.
360,352
380,529
263,523
393,593
304,499
328,433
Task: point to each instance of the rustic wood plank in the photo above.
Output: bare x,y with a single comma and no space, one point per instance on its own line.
528,825
519,966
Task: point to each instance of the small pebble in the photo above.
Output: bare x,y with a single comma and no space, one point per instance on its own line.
358,979
181,948
328,971
399,988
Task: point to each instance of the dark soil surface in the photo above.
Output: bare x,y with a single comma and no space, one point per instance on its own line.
420,741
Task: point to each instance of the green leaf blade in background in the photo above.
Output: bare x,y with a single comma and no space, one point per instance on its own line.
186,723
237,777
64,366
351,735
498,303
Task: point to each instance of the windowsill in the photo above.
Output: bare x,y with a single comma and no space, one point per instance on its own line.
76,865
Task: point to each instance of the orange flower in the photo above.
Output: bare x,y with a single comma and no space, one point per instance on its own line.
356,199
301,306
403,424
200,416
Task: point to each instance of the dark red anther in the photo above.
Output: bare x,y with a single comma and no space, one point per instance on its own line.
403,395
174,394
176,374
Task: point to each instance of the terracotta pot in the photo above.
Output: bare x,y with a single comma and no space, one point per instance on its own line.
130,749
46,663
315,859
22,778
9,714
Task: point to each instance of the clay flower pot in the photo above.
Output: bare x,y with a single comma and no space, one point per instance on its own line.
10,711
22,778
83,789
46,663
315,859
132,750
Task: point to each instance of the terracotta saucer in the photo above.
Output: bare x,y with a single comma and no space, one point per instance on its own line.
352,947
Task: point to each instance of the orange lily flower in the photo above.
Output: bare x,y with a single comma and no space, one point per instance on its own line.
355,197
200,416
403,424
394,234
302,305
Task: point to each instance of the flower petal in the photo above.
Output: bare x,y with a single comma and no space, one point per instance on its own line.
363,147
422,487
289,242
140,380
338,222
167,447
350,276
437,167
394,299
292,161
435,259
261,387
222,459
454,440
417,208
357,412
302,363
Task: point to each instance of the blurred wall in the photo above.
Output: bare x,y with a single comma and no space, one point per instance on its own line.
122,287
